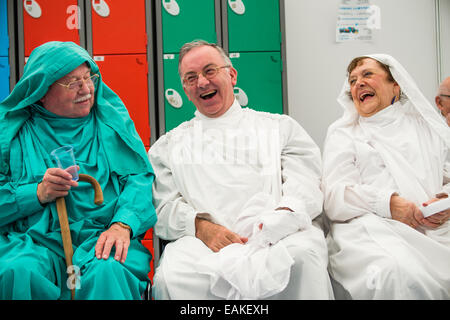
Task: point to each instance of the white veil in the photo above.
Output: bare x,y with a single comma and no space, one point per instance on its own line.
409,89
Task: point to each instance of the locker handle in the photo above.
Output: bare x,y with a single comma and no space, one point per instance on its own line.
32,8
174,98
101,8
171,6
241,96
237,6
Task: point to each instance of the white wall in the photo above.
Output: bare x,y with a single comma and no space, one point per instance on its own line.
316,63
444,15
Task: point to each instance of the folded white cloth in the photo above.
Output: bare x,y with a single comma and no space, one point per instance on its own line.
261,267
280,223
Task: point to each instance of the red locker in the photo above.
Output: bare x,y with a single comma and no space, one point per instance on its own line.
47,20
149,234
149,245
118,27
127,76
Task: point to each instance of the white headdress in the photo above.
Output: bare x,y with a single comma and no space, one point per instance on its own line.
410,91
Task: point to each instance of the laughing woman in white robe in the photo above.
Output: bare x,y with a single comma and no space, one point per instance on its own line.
386,156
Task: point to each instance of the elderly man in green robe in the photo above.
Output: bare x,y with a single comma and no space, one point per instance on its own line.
62,100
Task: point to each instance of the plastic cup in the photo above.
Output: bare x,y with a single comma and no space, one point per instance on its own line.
65,160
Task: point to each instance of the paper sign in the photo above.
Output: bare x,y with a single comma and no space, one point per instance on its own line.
356,20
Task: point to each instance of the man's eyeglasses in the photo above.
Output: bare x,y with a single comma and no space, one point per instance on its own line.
191,78
77,84
444,95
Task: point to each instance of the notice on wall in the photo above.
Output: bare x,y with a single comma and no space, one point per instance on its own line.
356,20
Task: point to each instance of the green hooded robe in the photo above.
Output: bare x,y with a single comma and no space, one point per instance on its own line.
107,147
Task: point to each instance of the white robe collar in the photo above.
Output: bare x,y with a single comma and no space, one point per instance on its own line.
233,113
387,116
234,110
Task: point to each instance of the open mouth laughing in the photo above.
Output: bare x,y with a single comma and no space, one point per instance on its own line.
364,95
208,95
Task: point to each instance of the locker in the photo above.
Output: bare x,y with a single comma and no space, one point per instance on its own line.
118,27
177,106
187,20
254,25
259,82
149,245
4,39
4,77
127,75
149,234
47,20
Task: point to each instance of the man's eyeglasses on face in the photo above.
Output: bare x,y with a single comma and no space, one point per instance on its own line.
191,78
444,95
77,84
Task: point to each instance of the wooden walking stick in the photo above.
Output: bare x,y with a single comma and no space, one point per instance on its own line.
64,222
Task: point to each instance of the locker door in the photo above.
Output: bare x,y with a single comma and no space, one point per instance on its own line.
118,26
254,25
4,39
187,20
47,20
148,243
259,82
127,75
4,77
177,106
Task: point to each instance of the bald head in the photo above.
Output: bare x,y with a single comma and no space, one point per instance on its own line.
443,98
444,88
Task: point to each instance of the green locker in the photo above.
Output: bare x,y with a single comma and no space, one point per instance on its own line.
187,20
177,106
259,83
254,25
248,29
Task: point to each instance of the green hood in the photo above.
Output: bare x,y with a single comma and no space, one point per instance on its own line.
50,62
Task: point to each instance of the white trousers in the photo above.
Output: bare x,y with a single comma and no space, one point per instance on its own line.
176,277
378,258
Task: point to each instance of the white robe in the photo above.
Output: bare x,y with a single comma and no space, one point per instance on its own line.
213,168
371,255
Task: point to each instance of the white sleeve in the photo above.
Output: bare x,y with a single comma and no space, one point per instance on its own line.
300,170
446,182
176,218
346,197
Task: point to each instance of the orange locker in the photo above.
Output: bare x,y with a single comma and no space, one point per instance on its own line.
118,27
47,20
127,76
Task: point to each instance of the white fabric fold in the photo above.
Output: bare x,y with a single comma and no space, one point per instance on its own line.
261,267
280,223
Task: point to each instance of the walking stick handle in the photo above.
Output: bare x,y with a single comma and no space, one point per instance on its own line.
98,194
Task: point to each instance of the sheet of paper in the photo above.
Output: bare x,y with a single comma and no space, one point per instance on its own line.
435,207
356,20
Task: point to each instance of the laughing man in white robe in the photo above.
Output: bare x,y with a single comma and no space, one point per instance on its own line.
236,191
382,160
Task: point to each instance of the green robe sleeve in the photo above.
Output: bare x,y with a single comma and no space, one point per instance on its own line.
17,201
135,207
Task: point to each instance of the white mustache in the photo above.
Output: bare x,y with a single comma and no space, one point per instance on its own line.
83,98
